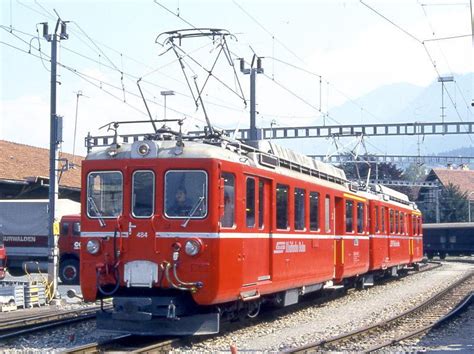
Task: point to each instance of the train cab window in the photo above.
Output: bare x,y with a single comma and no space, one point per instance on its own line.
185,194
104,194
327,213
314,211
250,203
227,219
76,229
143,194
299,211
349,216
261,203
282,206
360,218
382,220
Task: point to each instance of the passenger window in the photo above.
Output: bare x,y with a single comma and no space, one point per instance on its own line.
314,211
327,213
392,223
360,218
349,216
227,220
76,229
377,221
64,229
397,222
250,204
282,206
143,194
402,223
299,204
382,221
261,203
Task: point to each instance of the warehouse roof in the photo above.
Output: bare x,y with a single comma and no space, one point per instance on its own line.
20,163
462,178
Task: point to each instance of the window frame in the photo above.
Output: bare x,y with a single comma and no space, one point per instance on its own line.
234,185
132,201
347,201
287,187
327,213
318,211
360,218
165,196
87,194
247,179
304,209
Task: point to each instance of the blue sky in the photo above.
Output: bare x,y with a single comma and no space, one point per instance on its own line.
350,46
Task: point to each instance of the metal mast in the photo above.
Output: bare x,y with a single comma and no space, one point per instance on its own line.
55,138
253,133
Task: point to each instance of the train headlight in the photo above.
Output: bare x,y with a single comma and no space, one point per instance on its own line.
192,247
143,149
93,246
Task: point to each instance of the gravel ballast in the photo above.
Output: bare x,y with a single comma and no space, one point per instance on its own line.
355,310
304,325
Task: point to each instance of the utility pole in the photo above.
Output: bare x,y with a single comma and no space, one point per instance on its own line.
55,138
253,133
444,79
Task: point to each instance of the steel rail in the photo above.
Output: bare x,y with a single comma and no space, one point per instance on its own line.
453,313
321,344
32,319
114,345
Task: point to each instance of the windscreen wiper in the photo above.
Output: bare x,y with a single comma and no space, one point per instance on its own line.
193,210
96,211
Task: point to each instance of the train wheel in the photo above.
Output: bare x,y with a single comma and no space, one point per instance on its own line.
69,272
442,255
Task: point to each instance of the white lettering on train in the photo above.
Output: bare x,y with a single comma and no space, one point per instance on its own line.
289,247
19,238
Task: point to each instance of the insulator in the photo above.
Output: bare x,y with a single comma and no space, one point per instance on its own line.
45,29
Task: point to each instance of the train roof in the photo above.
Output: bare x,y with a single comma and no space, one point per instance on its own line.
449,225
263,154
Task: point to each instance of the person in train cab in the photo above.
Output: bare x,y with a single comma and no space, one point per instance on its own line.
181,206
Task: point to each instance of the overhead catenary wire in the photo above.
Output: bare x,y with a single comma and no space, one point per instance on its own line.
128,75
433,63
442,52
89,79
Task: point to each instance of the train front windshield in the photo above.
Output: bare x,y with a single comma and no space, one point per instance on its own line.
104,194
186,194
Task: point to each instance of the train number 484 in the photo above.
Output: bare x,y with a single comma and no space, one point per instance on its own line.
142,234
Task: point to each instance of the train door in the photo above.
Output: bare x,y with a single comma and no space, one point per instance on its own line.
137,223
257,246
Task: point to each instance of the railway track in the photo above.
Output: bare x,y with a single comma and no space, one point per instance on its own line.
24,324
137,344
413,322
127,343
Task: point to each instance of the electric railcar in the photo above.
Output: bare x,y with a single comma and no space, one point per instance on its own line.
184,233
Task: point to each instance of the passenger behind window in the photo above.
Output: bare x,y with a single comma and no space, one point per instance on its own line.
181,206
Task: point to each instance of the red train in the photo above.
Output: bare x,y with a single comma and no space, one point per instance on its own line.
201,229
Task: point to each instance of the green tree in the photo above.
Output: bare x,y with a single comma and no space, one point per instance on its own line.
453,205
